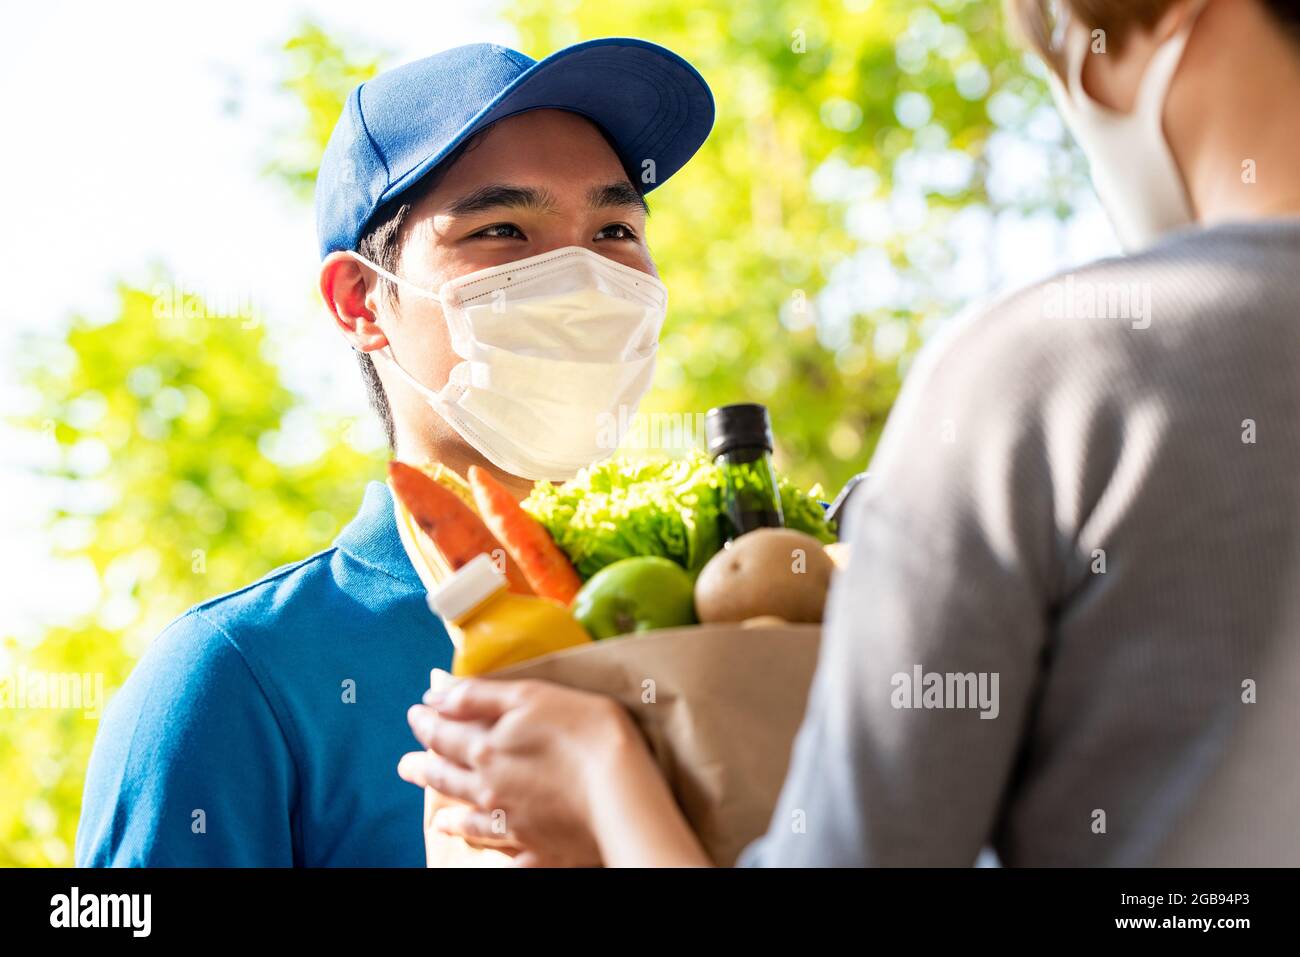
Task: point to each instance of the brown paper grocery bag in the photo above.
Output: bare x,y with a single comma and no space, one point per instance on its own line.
719,705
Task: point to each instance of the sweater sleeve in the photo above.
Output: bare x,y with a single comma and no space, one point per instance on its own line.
931,651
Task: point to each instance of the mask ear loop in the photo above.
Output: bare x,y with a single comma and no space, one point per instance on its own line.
1075,56
386,353
396,279
1168,58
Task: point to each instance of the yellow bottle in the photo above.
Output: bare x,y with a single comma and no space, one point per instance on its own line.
492,627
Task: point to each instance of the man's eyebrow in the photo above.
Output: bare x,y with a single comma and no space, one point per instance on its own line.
505,195
496,195
621,193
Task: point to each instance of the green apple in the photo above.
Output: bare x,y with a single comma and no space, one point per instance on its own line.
635,595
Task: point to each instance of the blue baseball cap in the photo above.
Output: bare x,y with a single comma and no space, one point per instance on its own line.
398,126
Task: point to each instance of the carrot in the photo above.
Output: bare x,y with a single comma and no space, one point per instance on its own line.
457,533
546,567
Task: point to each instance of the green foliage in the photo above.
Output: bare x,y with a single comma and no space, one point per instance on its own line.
165,418
744,237
319,75
186,476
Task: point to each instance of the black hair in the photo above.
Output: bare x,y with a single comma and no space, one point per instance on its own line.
380,243
380,246
1288,15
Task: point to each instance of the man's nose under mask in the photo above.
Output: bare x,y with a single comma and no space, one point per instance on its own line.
557,352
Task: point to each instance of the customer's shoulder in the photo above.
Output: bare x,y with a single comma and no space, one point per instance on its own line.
1193,276
1165,307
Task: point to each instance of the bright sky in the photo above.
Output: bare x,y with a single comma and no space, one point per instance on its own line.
122,153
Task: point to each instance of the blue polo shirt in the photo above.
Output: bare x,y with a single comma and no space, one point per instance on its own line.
263,728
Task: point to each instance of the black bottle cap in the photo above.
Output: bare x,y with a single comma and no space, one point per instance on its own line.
742,426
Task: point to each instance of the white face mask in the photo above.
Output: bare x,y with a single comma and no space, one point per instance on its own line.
555,348
1132,167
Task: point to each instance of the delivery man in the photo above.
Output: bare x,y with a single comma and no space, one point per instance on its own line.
1098,505
464,200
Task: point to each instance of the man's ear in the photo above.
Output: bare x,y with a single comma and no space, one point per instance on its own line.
350,289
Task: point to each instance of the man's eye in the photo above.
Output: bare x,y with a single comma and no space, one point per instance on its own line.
616,231
500,231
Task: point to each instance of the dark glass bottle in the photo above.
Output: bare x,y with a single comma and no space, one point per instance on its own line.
740,443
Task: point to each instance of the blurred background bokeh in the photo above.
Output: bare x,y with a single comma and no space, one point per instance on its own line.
179,417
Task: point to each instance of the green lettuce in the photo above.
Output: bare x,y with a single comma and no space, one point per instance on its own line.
623,508
804,511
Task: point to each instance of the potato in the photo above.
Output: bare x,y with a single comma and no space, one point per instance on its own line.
769,571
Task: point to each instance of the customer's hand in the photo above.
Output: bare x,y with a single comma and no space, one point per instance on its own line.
529,759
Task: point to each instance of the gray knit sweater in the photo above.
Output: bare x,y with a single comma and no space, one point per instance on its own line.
1070,628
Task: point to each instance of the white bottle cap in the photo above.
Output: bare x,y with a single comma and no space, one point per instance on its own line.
475,582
